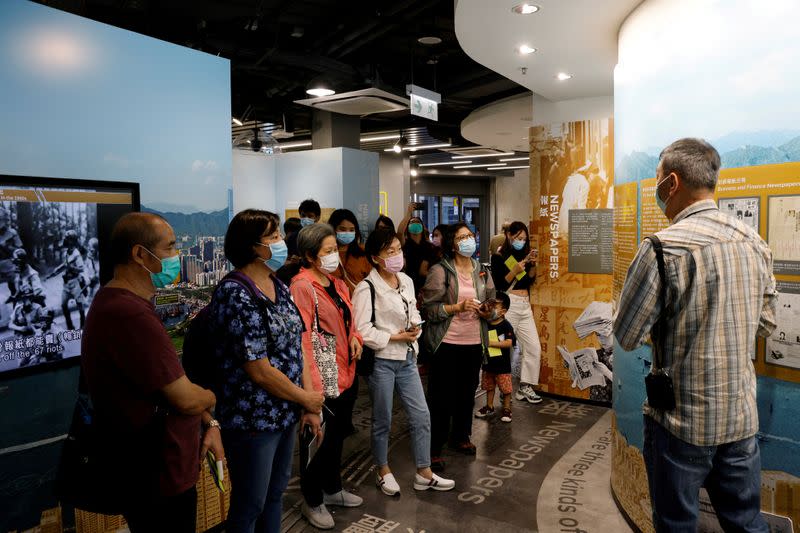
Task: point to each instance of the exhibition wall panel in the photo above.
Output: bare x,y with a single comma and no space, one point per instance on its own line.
81,99
728,76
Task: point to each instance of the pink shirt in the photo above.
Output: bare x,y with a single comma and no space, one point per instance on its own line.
465,329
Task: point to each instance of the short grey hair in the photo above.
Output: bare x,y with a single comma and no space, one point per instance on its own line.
309,241
694,160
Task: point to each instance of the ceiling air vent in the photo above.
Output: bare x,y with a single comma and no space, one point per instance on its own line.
361,103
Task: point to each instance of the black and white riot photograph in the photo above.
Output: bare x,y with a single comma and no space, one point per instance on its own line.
49,273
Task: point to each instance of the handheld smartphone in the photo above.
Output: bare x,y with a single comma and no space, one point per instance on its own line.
414,326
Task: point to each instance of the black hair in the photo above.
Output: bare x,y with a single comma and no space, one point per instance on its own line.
505,301
341,215
448,241
310,206
442,229
514,228
378,241
386,221
245,231
425,237
291,225
130,230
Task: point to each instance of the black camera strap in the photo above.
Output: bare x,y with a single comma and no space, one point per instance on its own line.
658,328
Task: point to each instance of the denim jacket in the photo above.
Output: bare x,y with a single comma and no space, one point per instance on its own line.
441,288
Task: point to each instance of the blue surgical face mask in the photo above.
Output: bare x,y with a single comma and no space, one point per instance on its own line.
415,228
306,221
345,237
279,252
467,247
518,244
170,268
662,204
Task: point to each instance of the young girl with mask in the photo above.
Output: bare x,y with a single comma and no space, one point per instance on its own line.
353,264
514,271
393,336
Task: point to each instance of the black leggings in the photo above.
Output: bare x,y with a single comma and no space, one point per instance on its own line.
452,382
324,470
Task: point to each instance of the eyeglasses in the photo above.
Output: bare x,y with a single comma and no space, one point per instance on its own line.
464,237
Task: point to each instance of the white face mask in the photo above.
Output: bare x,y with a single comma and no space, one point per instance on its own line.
329,263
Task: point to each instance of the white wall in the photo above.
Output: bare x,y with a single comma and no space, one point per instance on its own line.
512,198
396,182
334,177
254,181
548,112
313,174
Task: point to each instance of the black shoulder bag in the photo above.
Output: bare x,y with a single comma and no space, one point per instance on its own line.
660,392
366,364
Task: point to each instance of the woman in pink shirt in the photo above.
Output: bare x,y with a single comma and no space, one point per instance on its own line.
324,304
457,336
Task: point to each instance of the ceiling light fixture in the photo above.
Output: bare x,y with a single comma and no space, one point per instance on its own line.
479,166
414,148
525,9
515,159
482,155
299,144
413,172
429,40
236,121
428,147
319,87
380,138
399,145
444,164
525,49
508,168
563,76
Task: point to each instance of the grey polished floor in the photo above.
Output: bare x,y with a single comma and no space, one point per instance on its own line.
546,471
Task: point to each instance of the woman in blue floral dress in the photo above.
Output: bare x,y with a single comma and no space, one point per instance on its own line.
264,389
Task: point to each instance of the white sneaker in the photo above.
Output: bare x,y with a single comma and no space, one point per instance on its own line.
388,484
435,483
319,517
342,498
526,393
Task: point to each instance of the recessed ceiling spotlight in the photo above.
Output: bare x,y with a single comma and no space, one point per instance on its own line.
320,87
236,121
413,172
429,40
563,76
525,49
525,9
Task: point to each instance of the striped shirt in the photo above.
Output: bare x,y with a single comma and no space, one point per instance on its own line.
720,295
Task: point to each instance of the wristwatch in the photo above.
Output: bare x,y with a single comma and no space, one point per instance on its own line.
213,424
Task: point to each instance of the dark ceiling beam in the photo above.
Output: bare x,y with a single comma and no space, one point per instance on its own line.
366,39
308,62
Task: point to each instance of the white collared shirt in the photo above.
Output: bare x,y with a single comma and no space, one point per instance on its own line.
395,311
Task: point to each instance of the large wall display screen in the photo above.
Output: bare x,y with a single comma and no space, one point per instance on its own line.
54,236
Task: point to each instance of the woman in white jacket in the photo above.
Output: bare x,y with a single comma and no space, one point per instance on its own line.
393,336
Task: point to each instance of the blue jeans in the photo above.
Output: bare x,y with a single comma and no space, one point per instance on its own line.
402,376
260,464
676,470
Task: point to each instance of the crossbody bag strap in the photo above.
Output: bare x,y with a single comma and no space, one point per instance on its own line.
658,327
371,299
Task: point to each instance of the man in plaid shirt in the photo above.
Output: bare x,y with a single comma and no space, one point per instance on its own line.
720,294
